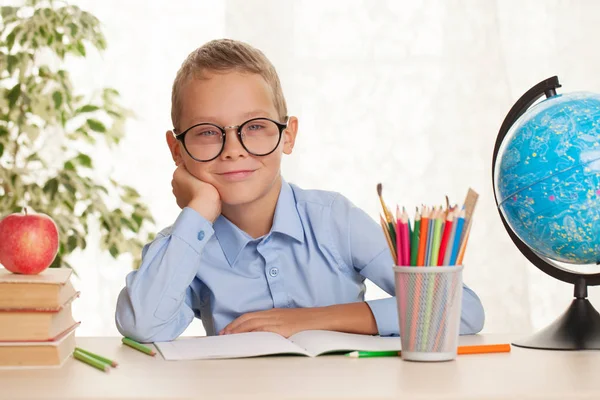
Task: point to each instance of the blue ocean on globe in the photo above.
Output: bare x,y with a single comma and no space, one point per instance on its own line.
548,178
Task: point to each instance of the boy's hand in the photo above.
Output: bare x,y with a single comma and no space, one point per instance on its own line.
191,192
351,318
284,321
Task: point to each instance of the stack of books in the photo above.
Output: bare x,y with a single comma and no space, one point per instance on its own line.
37,328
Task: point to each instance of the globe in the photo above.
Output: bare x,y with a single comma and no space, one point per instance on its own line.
546,181
547,178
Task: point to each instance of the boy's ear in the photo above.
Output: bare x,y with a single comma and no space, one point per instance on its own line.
289,135
174,147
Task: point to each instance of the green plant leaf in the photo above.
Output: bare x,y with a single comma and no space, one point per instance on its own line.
58,99
3,131
57,263
44,71
11,62
13,95
51,187
74,28
113,250
1,149
69,166
84,160
96,125
86,109
71,243
137,218
10,40
8,12
81,48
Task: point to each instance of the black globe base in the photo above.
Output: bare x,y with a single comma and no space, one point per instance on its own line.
577,329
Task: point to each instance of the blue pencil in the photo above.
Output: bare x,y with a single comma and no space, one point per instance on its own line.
456,245
429,238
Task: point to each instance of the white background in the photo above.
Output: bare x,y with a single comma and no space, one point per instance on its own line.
407,93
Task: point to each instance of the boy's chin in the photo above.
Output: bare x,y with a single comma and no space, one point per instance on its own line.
235,196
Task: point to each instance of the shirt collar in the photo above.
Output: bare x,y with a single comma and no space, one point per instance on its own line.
285,221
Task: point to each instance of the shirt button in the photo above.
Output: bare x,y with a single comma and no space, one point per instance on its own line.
274,272
200,235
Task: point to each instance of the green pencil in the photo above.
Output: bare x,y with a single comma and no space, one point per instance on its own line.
97,357
414,242
138,346
365,354
435,247
392,230
91,361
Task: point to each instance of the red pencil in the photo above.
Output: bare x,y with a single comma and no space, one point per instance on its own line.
446,237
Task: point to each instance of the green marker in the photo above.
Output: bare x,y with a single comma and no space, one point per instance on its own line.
365,354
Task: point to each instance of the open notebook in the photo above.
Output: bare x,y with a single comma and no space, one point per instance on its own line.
253,344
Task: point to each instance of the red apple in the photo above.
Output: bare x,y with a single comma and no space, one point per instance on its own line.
28,242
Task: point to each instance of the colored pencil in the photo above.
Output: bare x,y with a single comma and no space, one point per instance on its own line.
399,239
97,357
423,237
414,243
388,238
430,224
448,254
456,245
406,230
445,237
437,231
484,348
91,361
138,346
365,354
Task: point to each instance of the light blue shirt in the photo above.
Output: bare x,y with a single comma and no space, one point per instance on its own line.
318,253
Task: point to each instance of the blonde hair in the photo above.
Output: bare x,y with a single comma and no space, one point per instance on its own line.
221,56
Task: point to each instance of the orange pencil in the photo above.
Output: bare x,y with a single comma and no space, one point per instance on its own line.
484,348
423,237
461,350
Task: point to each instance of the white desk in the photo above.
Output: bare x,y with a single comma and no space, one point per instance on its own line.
522,374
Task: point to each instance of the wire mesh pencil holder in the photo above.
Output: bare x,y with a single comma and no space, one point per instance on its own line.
429,307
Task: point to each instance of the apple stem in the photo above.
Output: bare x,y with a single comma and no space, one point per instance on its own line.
25,209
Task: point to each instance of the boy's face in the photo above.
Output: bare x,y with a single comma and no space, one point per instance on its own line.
227,99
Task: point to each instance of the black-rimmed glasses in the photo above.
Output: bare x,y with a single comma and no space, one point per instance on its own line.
206,141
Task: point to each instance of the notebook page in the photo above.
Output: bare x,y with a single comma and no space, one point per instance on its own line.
318,342
237,345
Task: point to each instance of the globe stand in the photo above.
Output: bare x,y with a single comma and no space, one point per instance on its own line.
578,328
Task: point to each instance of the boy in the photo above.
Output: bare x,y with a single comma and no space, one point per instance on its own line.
250,252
